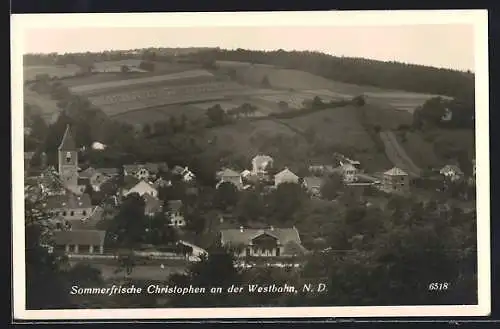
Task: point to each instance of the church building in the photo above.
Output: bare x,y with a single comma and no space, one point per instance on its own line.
68,163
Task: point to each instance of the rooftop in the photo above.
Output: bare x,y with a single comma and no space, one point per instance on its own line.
395,172
67,143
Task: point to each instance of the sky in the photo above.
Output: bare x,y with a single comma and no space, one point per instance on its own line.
443,45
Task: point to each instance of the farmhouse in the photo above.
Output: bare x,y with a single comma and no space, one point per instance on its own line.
271,242
174,213
285,176
69,206
80,241
395,180
141,188
229,176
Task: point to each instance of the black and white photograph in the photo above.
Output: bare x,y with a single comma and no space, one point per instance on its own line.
250,165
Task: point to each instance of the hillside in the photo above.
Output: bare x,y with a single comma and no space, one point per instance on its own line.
359,71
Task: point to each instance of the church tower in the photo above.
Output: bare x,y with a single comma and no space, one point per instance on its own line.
68,160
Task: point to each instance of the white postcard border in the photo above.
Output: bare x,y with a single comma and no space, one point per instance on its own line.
360,18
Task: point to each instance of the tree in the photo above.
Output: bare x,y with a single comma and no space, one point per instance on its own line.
317,103
46,281
226,196
159,232
216,270
283,106
216,114
332,186
359,101
146,129
285,201
265,82
128,226
124,69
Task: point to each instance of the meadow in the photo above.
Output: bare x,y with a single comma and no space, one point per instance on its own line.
288,79
57,71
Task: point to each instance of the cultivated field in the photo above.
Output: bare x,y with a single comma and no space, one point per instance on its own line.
88,89
113,104
58,71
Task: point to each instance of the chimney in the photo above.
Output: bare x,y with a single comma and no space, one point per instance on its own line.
241,228
271,228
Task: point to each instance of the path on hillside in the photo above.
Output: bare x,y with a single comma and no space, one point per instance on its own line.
397,155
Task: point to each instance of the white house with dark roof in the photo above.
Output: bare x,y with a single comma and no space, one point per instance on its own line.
270,242
396,180
174,213
285,176
80,241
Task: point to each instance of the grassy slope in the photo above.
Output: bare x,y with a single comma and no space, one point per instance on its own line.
44,105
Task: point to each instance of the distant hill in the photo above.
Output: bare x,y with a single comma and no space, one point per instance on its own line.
387,75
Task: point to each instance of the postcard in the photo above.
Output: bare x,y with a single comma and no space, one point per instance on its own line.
250,165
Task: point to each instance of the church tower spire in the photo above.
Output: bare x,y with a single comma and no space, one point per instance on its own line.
68,160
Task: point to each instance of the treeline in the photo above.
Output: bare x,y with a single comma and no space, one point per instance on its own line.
390,75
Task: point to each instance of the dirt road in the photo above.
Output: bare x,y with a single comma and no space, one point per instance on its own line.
397,155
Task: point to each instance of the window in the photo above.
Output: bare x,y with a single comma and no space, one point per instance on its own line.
64,213
72,213
84,213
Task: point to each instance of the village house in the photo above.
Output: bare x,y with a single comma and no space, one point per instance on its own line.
136,170
261,164
80,241
174,213
141,188
452,172
185,174
348,172
160,182
271,242
396,180
285,176
69,206
229,176
313,185
153,205
94,177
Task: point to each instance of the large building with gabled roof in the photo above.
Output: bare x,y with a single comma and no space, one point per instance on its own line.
396,180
